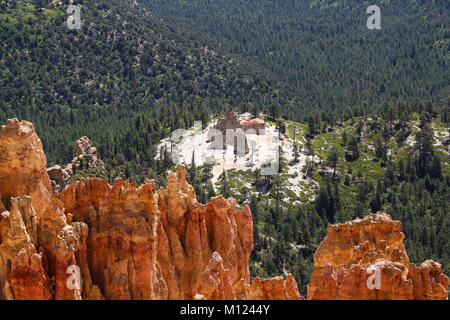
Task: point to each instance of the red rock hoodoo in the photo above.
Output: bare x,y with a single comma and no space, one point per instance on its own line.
354,254
23,166
238,127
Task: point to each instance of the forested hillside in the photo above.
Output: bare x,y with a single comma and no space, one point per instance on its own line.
125,79
325,49
368,110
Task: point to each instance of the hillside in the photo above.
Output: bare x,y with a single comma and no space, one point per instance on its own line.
324,48
125,79
363,116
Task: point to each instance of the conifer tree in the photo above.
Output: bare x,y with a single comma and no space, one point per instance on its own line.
295,152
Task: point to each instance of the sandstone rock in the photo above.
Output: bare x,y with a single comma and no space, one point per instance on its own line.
59,176
133,242
230,233
230,121
2,206
276,288
83,146
21,270
60,242
23,165
28,278
122,222
216,283
348,260
428,281
189,234
232,124
256,125
121,241
24,207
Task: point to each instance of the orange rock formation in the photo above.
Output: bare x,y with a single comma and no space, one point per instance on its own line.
238,128
354,254
121,241
23,165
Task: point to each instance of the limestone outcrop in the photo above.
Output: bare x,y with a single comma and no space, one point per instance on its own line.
86,159
366,260
231,124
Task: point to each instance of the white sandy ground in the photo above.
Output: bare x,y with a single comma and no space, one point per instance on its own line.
439,137
295,181
263,148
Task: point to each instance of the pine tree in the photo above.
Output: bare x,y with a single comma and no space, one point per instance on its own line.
201,195
254,208
352,153
281,163
337,197
311,126
273,111
309,147
436,167
295,152
224,187
211,192
380,149
255,111
376,202
344,137
333,159
192,173
401,170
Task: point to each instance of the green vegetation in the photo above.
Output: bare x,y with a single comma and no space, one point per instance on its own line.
370,109
324,48
403,168
125,80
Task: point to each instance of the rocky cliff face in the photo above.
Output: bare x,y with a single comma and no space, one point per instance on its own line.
23,166
100,241
366,259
